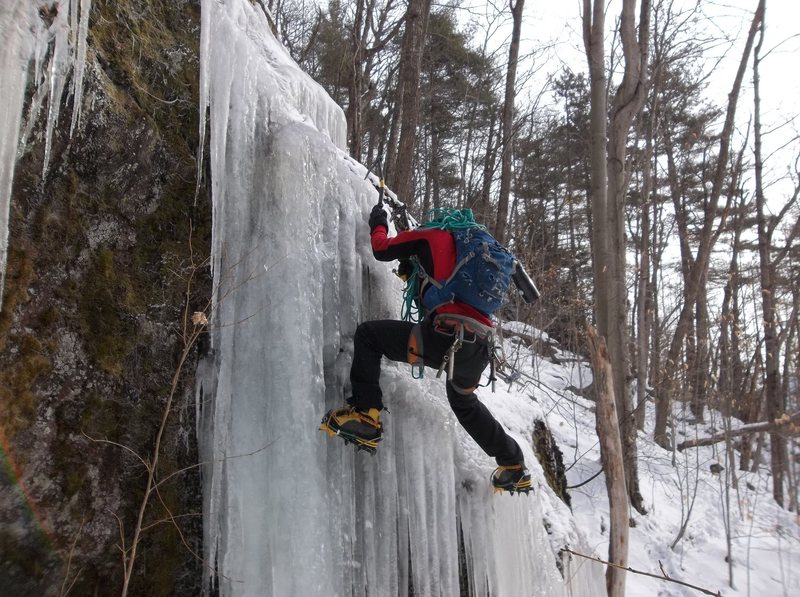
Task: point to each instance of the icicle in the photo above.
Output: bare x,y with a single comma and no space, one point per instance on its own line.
35,107
80,62
17,19
60,65
205,61
53,37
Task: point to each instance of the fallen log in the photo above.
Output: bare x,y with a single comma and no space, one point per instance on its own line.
787,423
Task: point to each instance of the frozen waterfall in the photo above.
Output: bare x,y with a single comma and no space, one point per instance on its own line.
287,510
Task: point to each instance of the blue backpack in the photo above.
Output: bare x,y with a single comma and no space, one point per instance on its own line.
481,276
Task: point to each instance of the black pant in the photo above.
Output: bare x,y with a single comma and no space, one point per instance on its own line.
390,338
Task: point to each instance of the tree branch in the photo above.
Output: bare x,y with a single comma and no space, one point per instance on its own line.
663,576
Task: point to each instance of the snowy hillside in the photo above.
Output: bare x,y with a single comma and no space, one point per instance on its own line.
288,511
765,538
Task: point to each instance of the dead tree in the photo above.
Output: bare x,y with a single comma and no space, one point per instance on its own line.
611,455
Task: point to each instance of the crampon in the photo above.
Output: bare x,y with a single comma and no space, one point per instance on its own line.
513,478
361,429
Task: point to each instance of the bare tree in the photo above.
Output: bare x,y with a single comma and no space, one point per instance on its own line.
608,204
774,398
707,237
627,103
416,25
369,36
507,151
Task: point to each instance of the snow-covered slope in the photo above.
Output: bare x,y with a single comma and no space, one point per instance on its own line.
765,539
289,511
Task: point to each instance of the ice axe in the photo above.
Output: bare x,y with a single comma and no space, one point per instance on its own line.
402,220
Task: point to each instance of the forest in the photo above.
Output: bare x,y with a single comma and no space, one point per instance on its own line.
642,202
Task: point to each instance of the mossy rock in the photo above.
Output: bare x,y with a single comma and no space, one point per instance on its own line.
100,248
18,278
17,382
107,306
551,459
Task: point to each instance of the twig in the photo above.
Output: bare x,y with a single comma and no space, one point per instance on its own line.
122,538
123,446
205,462
64,589
172,519
665,576
582,483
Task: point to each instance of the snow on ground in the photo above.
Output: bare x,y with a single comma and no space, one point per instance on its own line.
765,538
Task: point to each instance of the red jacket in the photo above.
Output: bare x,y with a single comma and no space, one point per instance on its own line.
436,251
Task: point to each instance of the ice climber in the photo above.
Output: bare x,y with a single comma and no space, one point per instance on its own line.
453,336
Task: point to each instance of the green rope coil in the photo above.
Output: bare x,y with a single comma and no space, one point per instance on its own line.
410,310
438,219
451,219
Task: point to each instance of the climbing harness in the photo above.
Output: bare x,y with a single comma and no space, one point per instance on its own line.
465,330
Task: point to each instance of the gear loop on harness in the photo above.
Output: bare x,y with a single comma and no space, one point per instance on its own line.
464,330
416,352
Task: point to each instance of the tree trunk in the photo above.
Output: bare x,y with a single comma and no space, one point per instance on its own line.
794,328
507,145
462,186
390,163
628,101
482,202
728,357
702,362
356,85
435,167
773,399
593,39
644,302
655,275
787,424
611,454
416,25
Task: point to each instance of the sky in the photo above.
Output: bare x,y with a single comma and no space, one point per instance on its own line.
557,26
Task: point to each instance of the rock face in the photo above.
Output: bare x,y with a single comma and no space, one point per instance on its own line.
107,252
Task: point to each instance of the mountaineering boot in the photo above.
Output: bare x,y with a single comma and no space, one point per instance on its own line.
354,426
513,477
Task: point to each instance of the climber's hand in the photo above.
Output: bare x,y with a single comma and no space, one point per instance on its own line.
378,218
